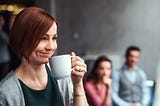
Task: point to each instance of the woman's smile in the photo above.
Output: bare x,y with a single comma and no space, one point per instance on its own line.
46,54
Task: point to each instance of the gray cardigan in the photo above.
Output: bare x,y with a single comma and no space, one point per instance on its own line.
11,92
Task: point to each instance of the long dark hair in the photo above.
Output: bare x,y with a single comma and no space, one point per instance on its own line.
93,73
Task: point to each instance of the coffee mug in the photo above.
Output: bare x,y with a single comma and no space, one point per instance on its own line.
60,66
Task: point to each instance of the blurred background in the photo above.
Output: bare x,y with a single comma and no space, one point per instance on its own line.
94,27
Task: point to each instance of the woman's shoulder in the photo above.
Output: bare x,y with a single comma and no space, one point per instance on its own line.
10,76
10,91
89,83
9,83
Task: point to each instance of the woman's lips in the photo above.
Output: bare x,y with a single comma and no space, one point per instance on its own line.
46,54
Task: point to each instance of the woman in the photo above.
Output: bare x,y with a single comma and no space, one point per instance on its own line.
98,83
33,38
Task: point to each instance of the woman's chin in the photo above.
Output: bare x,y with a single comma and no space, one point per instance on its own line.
45,61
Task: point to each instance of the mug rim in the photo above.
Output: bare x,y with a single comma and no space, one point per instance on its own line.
61,55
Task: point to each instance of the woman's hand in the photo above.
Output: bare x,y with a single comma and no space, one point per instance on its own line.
107,81
78,69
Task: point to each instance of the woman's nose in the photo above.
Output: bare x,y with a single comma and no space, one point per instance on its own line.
52,45
106,71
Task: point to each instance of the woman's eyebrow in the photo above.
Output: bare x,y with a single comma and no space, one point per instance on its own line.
49,35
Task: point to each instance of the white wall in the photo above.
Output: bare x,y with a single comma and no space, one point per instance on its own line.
95,26
111,25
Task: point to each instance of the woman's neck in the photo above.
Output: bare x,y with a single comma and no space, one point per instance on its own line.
99,84
34,76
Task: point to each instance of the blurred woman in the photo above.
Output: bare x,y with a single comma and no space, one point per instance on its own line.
33,38
98,83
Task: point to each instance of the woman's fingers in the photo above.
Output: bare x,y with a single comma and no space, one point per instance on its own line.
78,68
73,54
78,73
107,80
78,63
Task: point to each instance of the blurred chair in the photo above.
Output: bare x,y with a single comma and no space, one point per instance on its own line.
151,86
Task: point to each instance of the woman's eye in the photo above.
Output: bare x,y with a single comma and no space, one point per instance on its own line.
54,38
44,38
101,68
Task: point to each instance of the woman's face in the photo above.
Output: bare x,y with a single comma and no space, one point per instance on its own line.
46,47
104,69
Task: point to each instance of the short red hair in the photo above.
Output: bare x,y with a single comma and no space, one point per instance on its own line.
28,28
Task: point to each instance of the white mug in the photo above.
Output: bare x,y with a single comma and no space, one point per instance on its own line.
60,66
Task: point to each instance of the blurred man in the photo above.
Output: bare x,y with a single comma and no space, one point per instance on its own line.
4,50
129,82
